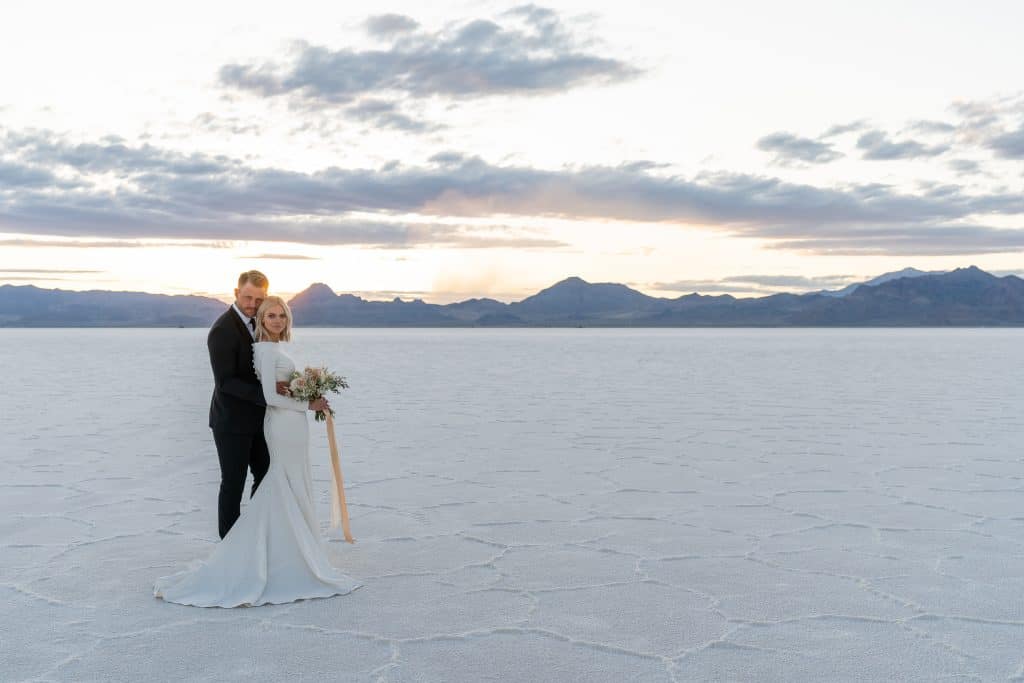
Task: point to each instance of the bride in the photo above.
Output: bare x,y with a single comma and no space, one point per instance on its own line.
274,552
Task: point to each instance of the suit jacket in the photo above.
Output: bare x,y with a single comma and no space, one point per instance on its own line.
238,404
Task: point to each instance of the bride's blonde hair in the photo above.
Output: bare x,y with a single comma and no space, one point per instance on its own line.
261,332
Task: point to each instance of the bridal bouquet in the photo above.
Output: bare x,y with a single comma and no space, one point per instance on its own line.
314,383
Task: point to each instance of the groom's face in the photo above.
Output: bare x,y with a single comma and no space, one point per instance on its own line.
248,298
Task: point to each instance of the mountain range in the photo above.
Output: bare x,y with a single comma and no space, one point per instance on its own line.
907,298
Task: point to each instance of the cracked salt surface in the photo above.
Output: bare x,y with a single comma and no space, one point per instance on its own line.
539,505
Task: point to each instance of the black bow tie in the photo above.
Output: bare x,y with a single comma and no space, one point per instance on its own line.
252,324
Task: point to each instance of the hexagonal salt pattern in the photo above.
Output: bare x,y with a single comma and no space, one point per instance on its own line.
539,505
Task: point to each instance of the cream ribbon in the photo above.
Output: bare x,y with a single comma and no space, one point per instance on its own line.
339,510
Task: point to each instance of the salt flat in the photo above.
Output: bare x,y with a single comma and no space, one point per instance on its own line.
539,505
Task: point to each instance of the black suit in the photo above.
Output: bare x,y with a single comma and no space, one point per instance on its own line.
236,415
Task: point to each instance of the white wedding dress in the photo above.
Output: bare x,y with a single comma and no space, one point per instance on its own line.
274,553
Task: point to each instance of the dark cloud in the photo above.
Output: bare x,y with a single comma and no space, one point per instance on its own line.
13,175
877,146
949,240
224,199
448,158
529,52
389,25
788,148
1008,145
134,217
113,155
213,198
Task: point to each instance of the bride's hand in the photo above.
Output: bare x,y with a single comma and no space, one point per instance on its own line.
282,388
319,404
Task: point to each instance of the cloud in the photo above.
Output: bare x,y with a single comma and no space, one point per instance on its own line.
384,114
949,240
1008,145
877,146
931,127
164,195
794,281
788,148
390,294
389,25
759,284
226,124
529,52
843,128
46,271
43,148
448,158
283,257
13,175
698,286
106,244
111,219
34,279
985,124
964,166
992,124
467,237
977,112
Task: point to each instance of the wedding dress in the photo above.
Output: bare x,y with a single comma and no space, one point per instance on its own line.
274,553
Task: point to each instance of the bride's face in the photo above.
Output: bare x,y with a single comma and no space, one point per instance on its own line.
275,320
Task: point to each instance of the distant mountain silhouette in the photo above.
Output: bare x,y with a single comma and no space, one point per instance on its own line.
319,305
576,299
885,277
963,297
28,306
479,309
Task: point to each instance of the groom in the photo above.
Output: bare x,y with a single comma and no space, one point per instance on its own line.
238,404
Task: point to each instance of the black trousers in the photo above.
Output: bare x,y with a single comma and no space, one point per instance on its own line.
238,453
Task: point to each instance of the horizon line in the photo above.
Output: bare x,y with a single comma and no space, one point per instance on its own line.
289,296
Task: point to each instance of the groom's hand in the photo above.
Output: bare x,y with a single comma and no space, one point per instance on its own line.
282,388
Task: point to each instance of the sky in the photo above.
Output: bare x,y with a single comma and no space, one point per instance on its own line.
452,150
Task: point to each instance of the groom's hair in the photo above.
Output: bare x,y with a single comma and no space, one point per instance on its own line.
255,277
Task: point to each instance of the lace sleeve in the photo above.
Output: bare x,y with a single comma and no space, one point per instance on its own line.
265,360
